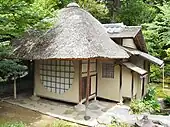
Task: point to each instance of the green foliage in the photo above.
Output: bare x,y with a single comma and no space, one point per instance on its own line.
9,68
61,123
157,36
148,104
96,8
167,101
17,16
135,12
137,106
17,124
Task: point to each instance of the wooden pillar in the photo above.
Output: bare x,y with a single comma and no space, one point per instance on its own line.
132,85
96,79
86,117
120,87
88,82
80,80
143,86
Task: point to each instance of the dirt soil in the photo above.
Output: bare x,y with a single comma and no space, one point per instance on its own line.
13,113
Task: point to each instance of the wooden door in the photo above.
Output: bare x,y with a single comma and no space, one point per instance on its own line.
84,85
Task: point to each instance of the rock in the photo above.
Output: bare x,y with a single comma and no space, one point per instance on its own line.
34,98
93,106
159,124
161,102
80,107
144,122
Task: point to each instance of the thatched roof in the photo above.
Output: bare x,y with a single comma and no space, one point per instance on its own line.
119,30
76,34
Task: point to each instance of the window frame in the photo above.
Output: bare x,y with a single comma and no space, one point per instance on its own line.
108,70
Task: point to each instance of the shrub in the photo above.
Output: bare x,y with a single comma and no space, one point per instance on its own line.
16,124
137,106
148,104
167,101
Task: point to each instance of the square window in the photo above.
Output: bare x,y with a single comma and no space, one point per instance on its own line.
53,68
62,74
44,78
107,70
66,80
57,85
48,78
62,86
67,75
62,68
62,80
66,87
53,84
53,73
58,68
53,79
57,79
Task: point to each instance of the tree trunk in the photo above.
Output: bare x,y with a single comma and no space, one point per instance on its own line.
15,91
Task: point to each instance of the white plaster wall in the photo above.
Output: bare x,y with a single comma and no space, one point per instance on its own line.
93,84
108,88
126,82
129,43
71,95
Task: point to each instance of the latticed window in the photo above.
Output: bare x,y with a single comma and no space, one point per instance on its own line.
56,75
107,70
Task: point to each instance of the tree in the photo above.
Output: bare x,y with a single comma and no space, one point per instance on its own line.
135,12
157,36
97,8
16,17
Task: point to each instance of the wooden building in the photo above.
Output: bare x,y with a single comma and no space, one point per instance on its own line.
78,58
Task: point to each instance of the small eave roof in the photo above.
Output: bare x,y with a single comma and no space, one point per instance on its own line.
135,68
145,56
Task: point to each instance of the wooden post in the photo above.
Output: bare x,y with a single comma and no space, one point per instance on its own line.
88,82
87,90
80,80
120,87
15,96
132,85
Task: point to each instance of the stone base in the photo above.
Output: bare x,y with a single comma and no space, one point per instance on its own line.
34,98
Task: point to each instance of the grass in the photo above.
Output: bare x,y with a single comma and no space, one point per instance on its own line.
16,124
62,123
57,123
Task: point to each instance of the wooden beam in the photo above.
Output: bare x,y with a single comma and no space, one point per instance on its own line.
80,80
